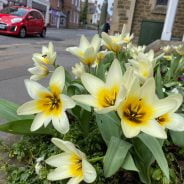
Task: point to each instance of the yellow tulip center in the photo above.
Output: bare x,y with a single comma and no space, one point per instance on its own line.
164,119
136,111
107,97
50,103
45,59
76,166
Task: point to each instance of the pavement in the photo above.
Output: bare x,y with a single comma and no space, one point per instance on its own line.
15,59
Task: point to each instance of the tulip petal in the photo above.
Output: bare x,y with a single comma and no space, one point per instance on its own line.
65,146
129,131
58,78
59,160
68,102
92,83
154,129
61,124
75,180
177,122
148,90
59,173
38,121
86,99
114,75
84,43
106,38
88,171
164,106
105,110
89,55
47,121
76,52
34,89
96,43
28,108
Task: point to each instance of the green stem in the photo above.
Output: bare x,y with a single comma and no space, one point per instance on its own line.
96,159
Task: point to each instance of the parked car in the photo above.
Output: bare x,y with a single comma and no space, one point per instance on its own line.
21,21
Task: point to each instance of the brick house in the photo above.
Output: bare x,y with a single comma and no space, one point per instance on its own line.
145,18
57,17
71,9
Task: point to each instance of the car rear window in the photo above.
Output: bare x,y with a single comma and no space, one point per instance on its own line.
14,11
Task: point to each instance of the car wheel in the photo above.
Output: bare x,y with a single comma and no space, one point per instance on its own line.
43,33
22,32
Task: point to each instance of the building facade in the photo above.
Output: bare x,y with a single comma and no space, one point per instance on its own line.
71,8
97,13
57,17
3,3
145,18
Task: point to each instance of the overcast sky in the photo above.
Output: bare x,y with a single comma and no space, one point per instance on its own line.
101,1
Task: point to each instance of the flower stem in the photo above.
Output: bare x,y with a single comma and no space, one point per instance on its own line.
96,159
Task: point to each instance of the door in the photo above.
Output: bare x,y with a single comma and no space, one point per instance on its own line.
150,31
31,22
39,22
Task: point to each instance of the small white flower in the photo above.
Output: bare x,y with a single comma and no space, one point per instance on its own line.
106,96
86,51
139,110
40,71
48,104
78,70
171,119
72,163
179,49
48,55
115,43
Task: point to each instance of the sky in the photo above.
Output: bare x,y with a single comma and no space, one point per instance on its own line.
101,1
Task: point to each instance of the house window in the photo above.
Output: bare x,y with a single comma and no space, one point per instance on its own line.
161,2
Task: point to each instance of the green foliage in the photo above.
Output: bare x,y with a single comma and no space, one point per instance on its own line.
115,156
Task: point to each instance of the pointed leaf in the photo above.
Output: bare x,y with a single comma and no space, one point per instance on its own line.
23,127
108,127
129,163
177,138
156,149
115,155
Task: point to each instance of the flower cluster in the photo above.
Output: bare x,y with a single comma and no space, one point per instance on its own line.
127,89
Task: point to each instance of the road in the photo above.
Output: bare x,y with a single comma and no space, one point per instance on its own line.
16,54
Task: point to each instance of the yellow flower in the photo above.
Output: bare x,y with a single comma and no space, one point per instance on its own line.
72,163
143,65
48,55
48,104
139,110
99,57
86,51
40,71
172,120
167,49
104,96
115,43
135,50
78,70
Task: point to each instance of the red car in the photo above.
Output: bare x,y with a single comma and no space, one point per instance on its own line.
21,21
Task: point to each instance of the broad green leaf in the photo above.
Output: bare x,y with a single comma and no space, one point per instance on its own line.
23,127
8,111
108,127
177,138
115,155
129,163
143,159
156,149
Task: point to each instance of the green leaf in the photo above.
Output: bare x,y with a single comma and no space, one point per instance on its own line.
115,155
129,163
23,127
108,126
177,138
159,83
8,111
156,149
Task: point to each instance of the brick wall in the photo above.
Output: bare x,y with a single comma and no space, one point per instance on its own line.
145,10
